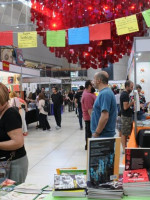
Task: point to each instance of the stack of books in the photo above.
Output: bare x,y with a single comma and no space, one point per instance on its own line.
136,183
110,190
69,185
103,169
145,123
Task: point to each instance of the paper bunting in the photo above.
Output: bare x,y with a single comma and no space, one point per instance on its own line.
6,38
78,36
100,32
126,25
56,38
27,39
146,15
5,66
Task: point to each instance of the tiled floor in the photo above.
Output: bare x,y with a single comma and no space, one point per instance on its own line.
55,149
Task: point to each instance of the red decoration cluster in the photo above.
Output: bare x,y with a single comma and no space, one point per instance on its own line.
65,14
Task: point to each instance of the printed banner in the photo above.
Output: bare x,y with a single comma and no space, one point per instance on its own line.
146,15
6,38
27,39
100,32
78,36
56,38
126,25
5,66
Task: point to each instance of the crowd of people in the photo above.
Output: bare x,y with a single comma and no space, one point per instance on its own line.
98,112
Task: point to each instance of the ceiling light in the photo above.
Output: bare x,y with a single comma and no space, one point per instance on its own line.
139,54
3,6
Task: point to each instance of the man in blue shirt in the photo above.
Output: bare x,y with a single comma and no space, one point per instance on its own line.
103,118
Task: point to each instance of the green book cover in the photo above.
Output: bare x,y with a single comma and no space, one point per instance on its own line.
72,171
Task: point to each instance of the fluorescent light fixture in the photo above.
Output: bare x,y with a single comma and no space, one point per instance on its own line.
139,54
137,58
3,6
27,3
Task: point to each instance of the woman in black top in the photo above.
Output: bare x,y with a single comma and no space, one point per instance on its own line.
11,138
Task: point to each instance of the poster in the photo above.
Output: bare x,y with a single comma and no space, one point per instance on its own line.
27,39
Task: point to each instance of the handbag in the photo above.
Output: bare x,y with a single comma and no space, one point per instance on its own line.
15,107
5,168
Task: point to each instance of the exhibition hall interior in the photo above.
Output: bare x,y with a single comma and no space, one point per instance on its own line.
74,99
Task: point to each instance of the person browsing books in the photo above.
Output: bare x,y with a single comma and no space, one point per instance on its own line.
104,113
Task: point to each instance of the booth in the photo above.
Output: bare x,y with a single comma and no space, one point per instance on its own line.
139,72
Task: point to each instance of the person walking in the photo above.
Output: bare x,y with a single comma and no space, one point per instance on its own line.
104,113
126,113
87,101
43,113
57,100
78,97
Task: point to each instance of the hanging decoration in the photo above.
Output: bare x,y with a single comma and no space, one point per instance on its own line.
66,14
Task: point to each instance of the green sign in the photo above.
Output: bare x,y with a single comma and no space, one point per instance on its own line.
146,15
56,38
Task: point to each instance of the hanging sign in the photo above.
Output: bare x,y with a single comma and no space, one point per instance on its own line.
146,15
100,32
78,36
56,38
126,25
5,66
27,39
6,38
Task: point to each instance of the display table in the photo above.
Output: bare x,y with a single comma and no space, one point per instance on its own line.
50,197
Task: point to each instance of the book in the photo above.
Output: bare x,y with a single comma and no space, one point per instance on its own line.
69,168
18,196
103,160
137,158
138,175
65,182
69,193
72,171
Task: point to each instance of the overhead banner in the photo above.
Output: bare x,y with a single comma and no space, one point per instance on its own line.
100,32
6,38
27,39
5,66
56,38
127,25
146,15
78,36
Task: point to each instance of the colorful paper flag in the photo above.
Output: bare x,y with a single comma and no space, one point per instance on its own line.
127,25
5,66
146,15
6,38
100,32
27,39
78,36
56,38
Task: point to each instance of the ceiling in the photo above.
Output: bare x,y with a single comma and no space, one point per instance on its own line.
15,15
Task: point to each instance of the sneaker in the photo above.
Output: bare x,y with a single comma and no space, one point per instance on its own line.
49,129
58,127
81,128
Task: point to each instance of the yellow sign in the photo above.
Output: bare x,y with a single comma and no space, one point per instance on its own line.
27,39
127,25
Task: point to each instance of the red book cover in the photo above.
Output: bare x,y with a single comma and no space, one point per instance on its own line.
138,175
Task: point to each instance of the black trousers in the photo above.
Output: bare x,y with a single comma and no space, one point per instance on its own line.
44,122
88,133
57,114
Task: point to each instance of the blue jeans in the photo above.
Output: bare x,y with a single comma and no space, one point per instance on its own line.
80,117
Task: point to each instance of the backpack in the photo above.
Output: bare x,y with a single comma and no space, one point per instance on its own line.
46,106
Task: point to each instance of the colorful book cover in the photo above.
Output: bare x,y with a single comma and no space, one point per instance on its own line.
137,158
138,175
65,182
103,160
69,168
72,171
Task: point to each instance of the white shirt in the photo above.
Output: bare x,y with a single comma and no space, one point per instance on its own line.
117,98
40,107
